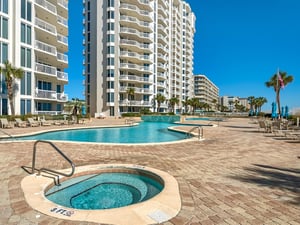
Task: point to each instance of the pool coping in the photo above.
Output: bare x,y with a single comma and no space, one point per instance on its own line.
158,209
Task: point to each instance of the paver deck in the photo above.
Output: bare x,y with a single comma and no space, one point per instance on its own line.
237,175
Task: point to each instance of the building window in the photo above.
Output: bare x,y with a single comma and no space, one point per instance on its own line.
110,38
4,108
25,106
26,84
110,26
110,15
25,10
110,3
43,85
110,84
110,61
110,50
4,27
25,34
4,6
110,97
25,57
3,52
110,73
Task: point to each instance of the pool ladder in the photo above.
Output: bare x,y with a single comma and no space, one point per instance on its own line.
200,132
54,174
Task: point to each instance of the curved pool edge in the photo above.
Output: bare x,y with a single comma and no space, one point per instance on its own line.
4,140
158,209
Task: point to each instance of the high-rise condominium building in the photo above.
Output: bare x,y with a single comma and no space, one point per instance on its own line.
206,91
34,37
136,50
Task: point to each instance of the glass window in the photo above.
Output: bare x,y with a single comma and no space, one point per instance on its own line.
23,9
4,6
23,57
4,28
4,52
28,51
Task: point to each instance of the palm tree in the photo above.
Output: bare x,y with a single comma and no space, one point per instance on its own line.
250,100
215,103
173,101
194,102
274,82
160,99
130,92
11,73
185,104
260,101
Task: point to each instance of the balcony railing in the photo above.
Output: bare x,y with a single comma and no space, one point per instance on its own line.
62,75
51,95
135,78
45,26
135,20
62,57
136,9
135,55
63,3
135,43
127,102
62,39
134,66
62,21
50,49
136,89
134,31
47,5
51,71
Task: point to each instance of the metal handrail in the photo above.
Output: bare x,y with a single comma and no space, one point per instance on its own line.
200,132
50,171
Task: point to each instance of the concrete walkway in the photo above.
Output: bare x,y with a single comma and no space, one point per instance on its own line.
237,175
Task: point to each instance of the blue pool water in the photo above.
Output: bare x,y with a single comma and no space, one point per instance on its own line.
104,191
145,132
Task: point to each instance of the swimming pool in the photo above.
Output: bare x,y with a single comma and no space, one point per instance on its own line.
145,132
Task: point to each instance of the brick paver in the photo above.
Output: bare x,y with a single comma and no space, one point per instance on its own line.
237,175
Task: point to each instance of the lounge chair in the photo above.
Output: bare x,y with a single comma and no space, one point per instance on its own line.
45,122
5,123
263,124
33,123
20,123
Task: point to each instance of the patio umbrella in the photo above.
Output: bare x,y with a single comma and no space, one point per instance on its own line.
286,114
274,114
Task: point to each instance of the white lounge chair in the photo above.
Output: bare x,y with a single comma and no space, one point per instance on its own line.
20,123
45,122
5,123
33,123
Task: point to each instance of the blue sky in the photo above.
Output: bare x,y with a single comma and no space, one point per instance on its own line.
238,45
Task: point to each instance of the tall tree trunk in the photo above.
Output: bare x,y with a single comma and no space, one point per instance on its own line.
278,101
11,99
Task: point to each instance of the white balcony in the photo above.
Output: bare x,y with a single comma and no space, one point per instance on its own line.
62,75
135,43
135,55
62,21
50,95
63,3
46,5
136,90
62,39
50,71
45,26
62,57
49,49
135,78
128,103
134,66
134,31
